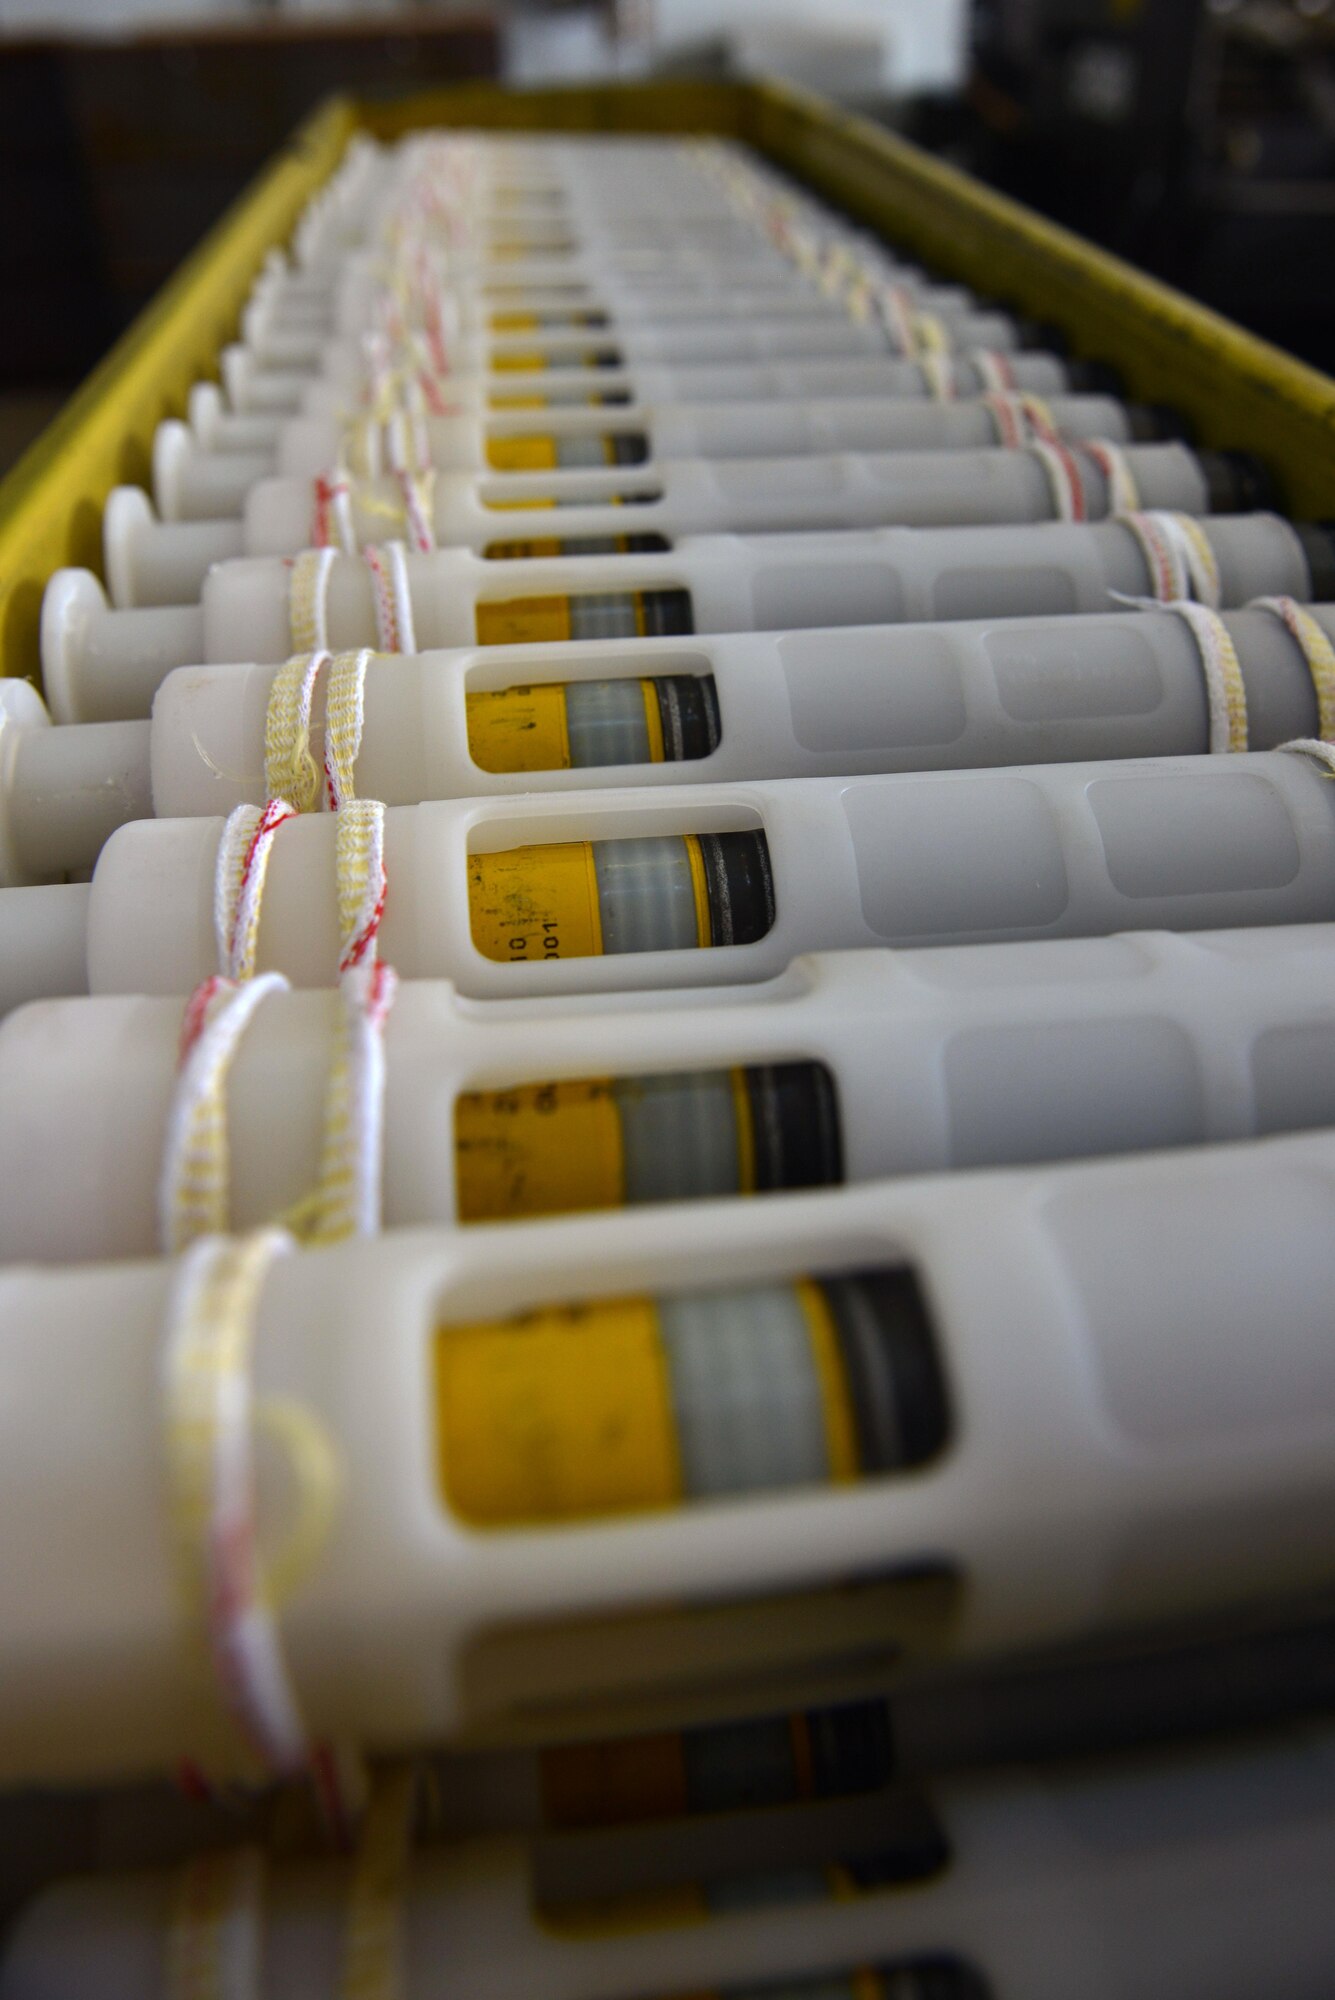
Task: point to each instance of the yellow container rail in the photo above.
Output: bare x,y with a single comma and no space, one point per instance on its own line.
1236,389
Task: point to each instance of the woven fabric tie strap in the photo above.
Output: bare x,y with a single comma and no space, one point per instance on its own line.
407,445
894,308
1319,751
938,376
1178,556
344,714
290,769
1317,651
238,883
372,1966
215,1941
1061,468
1225,689
417,498
348,1198
993,370
1113,463
307,592
392,598
1020,419
331,512
209,1445
193,1190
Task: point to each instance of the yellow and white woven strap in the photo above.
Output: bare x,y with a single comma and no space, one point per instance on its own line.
931,335
307,594
1178,556
1123,493
1225,690
1317,651
238,883
290,769
372,1967
344,714
993,370
938,376
1065,480
194,1197
392,596
215,1939
209,1452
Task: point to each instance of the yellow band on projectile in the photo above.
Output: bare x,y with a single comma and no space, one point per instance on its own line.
519,728
562,1415
531,453
539,1149
653,721
841,1445
704,929
523,620
517,364
529,904
514,322
744,1124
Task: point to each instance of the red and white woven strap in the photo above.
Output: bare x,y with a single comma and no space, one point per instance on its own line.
407,445
1123,496
331,512
894,308
392,597
1317,651
1061,467
194,1187
993,370
417,497
238,892
1020,420
1178,556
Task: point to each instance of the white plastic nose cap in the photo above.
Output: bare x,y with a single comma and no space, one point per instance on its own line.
204,411
172,447
127,513
72,600
236,365
21,708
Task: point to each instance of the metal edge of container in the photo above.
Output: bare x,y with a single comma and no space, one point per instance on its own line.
1238,390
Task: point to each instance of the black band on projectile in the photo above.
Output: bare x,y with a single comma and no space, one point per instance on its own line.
688,714
628,447
898,1393
740,886
666,613
795,1123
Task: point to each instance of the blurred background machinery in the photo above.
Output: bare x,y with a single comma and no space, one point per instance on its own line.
1196,137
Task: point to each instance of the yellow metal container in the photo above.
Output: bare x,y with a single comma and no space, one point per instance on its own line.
1238,390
